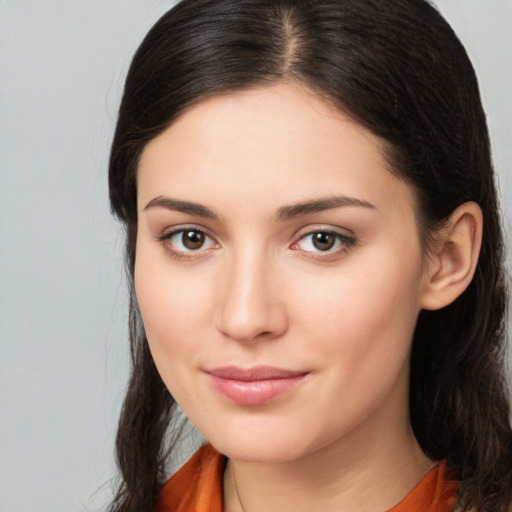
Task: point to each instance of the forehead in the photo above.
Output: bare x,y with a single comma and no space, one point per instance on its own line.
282,142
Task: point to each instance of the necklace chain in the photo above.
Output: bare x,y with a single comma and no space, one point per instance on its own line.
236,487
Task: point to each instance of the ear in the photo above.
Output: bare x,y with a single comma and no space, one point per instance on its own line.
453,257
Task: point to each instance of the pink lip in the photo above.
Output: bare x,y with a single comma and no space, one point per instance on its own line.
253,386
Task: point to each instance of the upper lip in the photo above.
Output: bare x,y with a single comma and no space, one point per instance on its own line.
253,374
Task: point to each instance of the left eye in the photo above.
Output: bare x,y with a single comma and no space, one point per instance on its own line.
188,240
323,241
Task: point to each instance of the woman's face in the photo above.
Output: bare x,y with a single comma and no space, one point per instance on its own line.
279,274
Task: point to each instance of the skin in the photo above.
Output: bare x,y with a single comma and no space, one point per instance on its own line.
258,292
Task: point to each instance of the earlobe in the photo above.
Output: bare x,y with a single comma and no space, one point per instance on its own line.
452,264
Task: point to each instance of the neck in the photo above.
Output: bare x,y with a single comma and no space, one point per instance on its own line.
356,473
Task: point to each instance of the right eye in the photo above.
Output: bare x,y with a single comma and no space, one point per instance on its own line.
185,242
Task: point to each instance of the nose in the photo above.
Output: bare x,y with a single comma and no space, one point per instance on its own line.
250,302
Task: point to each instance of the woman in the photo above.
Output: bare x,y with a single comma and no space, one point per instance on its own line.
315,254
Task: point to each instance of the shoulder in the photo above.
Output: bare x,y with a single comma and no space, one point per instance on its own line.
197,485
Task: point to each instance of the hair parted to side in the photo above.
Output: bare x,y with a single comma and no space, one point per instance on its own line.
397,68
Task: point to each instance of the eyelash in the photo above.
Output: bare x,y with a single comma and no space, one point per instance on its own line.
344,243
165,239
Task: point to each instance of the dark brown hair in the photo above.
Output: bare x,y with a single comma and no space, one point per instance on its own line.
397,68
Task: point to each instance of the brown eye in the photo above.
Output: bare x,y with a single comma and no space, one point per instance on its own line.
323,241
193,240
187,243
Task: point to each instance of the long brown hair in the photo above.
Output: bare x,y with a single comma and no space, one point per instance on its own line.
397,68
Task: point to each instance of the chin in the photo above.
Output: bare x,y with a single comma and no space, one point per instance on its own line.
263,447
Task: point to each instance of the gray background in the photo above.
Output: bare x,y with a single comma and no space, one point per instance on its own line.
63,349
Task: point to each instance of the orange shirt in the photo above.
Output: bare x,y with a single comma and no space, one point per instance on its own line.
197,487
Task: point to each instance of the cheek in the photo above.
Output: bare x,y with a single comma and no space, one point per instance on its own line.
365,315
362,296
172,304
362,329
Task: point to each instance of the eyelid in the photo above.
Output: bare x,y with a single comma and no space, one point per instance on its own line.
172,230
166,235
324,228
347,238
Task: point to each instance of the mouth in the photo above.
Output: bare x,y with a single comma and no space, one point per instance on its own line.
253,386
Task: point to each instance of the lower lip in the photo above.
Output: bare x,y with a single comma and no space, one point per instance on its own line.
254,392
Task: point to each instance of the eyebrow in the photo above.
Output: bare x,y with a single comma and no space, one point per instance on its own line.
319,205
182,206
283,214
